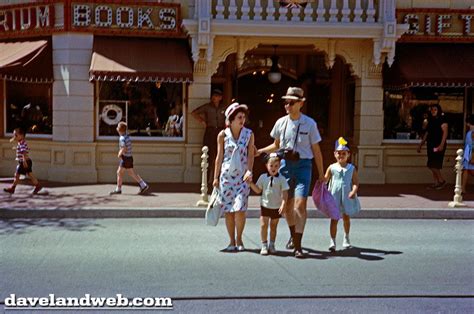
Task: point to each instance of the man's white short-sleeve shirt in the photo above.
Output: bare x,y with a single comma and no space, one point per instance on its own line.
308,134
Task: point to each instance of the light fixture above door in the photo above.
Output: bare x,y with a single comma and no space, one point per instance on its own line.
274,75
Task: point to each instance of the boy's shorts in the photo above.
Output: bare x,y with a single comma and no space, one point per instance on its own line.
269,212
126,162
20,169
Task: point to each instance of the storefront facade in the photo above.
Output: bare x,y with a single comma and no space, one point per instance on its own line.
434,64
152,63
109,61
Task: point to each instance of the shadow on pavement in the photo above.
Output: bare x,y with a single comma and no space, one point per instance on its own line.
361,253
53,201
23,226
310,254
170,187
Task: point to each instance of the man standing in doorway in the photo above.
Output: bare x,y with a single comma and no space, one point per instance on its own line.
211,116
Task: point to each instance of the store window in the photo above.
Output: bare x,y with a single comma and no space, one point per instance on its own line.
406,111
29,105
151,110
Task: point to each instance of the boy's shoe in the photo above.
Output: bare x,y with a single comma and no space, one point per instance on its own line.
115,192
143,189
240,248
290,245
440,185
332,245
271,248
264,250
10,190
346,243
37,189
299,254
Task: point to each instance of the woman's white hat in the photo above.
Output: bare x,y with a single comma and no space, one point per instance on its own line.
233,107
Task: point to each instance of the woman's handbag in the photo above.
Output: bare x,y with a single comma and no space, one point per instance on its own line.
213,211
325,202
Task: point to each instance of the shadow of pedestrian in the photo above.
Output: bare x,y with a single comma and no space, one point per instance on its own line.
311,254
358,252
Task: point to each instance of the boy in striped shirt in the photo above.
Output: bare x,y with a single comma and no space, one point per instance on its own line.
25,164
126,161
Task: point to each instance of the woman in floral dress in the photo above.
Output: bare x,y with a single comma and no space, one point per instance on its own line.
233,170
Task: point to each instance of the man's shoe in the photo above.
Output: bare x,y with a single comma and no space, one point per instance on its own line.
346,243
115,192
271,248
10,190
299,254
332,245
290,245
37,189
143,189
264,250
240,248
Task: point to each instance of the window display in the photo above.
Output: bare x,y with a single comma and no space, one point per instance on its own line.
29,105
406,111
149,109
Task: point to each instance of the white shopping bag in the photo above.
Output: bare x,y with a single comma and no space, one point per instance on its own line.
213,211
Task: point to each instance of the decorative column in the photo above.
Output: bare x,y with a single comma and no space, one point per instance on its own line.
368,124
73,157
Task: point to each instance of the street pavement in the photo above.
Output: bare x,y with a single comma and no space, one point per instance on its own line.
59,200
394,266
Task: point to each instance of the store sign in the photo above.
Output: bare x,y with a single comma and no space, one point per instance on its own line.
152,19
437,24
26,19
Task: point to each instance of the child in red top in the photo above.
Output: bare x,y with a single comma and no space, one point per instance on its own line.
25,164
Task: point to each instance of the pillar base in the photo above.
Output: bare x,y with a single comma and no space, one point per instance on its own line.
456,204
202,203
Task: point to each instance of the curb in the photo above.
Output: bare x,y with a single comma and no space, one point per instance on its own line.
95,213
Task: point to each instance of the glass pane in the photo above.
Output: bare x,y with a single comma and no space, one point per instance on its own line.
29,105
406,111
150,109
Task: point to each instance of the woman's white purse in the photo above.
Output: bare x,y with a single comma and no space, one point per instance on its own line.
213,211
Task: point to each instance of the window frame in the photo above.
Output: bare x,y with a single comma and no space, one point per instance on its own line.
417,141
30,135
165,139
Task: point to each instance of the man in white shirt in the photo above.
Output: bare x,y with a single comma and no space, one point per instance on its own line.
297,136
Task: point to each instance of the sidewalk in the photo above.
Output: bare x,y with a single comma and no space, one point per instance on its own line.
61,200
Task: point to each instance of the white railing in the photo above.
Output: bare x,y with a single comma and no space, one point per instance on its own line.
320,11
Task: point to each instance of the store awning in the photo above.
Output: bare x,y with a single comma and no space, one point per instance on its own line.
431,65
141,60
27,61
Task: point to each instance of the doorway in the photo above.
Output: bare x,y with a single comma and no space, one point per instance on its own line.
329,92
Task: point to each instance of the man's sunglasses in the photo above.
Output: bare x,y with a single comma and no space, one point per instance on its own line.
290,102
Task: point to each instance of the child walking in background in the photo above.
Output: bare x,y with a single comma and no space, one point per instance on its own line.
343,185
274,190
25,165
126,161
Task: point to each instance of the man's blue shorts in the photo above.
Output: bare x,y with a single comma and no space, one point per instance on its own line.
298,175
